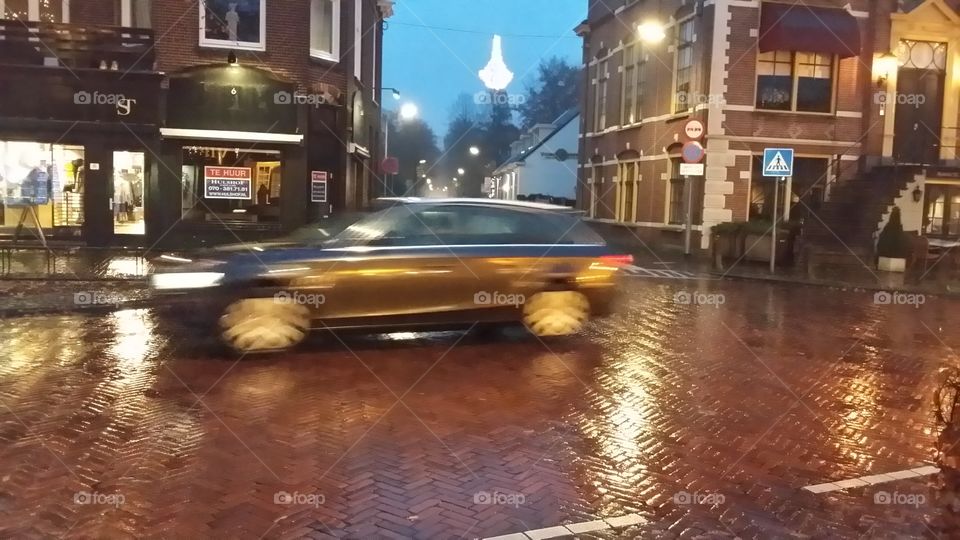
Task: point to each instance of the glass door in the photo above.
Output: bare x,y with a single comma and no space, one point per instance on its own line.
127,201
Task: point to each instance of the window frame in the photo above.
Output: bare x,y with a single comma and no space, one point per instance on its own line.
358,34
627,185
126,15
601,98
210,43
33,10
334,54
684,106
628,85
795,83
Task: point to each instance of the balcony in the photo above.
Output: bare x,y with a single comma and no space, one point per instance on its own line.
76,47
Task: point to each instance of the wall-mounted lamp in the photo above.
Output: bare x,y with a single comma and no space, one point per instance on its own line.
885,66
651,32
917,194
232,58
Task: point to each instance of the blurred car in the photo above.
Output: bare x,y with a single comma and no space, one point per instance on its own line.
418,263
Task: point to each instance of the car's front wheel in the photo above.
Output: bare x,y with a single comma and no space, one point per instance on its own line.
556,313
254,325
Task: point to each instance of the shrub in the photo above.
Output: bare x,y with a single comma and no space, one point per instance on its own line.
893,243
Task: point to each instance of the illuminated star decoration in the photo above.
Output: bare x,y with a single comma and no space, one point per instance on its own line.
496,75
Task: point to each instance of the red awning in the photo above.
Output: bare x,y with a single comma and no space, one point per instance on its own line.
792,27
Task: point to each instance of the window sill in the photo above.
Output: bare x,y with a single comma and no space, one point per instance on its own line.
324,57
796,113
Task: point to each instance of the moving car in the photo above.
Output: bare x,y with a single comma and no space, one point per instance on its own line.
424,263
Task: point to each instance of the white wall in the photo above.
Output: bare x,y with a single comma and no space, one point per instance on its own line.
546,175
911,212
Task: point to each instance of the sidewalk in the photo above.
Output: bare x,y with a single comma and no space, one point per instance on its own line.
26,297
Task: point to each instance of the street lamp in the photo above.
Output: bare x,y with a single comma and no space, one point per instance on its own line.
409,111
651,32
460,171
474,151
394,91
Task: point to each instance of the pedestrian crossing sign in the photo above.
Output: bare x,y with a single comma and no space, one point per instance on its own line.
778,162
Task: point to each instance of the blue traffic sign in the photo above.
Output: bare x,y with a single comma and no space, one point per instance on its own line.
778,161
692,152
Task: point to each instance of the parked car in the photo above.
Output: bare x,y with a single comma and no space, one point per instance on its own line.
423,263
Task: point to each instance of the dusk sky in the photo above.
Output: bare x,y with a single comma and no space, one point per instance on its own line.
431,66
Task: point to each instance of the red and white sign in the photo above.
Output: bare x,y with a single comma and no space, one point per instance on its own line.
693,130
318,186
228,183
390,165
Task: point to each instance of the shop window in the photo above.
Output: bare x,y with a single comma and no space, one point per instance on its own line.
325,29
233,24
134,13
231,186
941,216
801,82
54,11
49,178
684,66
128,193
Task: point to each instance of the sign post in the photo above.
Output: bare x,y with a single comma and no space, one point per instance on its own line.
778,164
693,154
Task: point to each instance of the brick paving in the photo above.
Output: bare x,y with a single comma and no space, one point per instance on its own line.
113,427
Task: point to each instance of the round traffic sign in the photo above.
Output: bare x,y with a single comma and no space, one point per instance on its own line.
693,129
692,152
390,165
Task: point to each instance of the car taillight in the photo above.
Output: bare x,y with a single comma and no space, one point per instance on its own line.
617,260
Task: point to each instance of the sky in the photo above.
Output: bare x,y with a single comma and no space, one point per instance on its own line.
432,66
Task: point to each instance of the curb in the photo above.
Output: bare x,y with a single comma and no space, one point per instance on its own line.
873,287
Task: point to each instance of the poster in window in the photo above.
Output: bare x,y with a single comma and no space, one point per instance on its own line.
228,183
318,186
233,24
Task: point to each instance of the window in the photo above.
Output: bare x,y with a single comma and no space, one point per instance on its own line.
234,24
641,83
594,184
46,177
627,192
231,185
684,66
677,203
55,11
629,78
358,39
600,111
133,13
325,29
421,225
801,82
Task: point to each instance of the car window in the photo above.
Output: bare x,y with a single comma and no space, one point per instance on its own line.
408,225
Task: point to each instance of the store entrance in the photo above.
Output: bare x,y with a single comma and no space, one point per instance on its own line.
127,200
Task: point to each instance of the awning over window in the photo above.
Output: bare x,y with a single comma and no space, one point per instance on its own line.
791,27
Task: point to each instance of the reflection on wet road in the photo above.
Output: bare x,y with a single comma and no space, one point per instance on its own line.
703,407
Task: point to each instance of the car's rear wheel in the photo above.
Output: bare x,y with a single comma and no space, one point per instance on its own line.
556,313
253,325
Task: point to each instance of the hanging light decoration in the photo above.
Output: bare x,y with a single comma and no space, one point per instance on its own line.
496,76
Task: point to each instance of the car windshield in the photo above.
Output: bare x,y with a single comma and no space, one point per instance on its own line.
408,225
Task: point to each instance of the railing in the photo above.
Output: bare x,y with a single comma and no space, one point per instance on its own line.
76,46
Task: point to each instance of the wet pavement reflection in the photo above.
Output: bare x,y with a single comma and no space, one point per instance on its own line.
703,406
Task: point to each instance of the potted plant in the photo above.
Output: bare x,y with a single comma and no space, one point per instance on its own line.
893,246
726,242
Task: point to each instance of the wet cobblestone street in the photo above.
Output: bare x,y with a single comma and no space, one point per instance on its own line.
703,407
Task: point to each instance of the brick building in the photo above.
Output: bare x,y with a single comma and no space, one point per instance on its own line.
135,121
865,91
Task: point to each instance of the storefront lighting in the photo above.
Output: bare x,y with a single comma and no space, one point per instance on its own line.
651,32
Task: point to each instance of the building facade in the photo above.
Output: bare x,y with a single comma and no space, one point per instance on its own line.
146,121
542,164
863,91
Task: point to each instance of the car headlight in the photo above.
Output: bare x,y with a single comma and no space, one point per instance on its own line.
185,280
